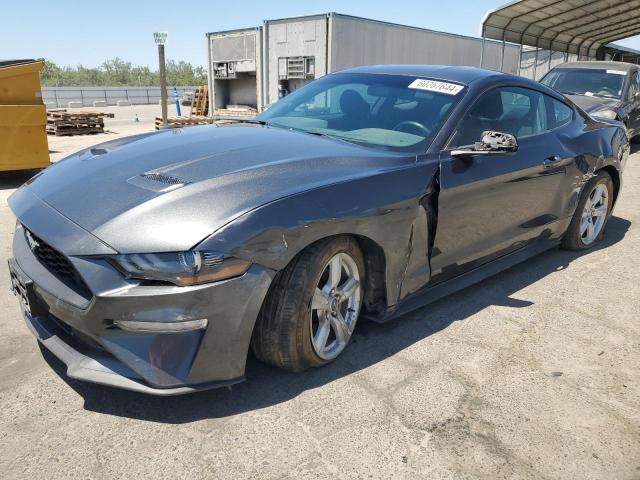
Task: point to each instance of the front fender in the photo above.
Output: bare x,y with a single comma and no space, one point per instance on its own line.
382,207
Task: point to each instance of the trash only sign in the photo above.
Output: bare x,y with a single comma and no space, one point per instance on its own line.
160,37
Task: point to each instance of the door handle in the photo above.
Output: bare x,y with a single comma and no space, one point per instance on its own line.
551,161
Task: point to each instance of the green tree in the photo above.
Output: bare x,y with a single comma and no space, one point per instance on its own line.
118,72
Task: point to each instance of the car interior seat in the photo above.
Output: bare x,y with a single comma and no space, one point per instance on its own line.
485,115
355,111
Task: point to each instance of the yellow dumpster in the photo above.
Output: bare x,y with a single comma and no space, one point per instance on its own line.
23,117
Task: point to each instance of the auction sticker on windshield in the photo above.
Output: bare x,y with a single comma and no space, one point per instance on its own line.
435,86
617,72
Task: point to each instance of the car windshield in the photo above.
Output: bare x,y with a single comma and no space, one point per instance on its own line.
586,81
392,112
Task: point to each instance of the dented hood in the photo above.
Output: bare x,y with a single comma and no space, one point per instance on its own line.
168,190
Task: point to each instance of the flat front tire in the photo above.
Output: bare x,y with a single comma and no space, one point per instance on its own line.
312,307
590,218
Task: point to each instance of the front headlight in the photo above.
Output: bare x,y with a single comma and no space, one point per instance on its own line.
606,113
180,268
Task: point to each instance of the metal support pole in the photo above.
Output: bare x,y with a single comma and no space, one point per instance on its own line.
502,55
535,62
519,59
482,51
163,86
549,65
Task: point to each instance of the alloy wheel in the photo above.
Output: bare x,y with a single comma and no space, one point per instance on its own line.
335,306
594,214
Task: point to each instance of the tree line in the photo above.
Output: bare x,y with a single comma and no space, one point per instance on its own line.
117,72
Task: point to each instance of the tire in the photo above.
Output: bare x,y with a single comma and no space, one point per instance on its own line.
576,237
289,321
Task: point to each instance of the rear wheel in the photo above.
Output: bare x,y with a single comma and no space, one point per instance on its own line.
588,223
312,309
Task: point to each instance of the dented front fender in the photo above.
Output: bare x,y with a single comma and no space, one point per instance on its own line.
389,208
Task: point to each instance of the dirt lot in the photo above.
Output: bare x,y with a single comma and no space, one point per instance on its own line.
533,374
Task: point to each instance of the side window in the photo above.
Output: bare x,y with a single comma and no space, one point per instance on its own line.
561,114
518,111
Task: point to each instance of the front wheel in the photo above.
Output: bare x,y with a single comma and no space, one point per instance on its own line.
312,309
589,220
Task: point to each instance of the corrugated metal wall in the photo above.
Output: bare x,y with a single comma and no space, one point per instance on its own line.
542,65
336,42
366,42
300,37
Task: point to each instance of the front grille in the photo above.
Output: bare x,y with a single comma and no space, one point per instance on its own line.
57,264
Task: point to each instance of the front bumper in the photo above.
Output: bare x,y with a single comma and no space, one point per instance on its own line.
82,331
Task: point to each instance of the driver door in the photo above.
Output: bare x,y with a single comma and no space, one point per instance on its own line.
492,204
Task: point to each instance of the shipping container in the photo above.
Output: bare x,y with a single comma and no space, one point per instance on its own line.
256,66
301,49
235,71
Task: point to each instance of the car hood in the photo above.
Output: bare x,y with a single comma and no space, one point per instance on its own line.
168,190
591,104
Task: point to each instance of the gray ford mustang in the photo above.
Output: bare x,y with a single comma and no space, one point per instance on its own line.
155,262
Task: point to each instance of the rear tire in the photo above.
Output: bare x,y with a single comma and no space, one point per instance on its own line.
312,306
589,221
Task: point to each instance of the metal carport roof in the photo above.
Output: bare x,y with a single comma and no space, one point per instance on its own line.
573,26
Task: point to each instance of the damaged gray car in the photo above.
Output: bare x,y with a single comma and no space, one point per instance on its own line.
156,262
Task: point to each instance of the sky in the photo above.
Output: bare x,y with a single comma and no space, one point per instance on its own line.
74,32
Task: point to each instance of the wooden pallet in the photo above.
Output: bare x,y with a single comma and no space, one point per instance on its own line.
63,114
63,123
75,131
178,122
200,103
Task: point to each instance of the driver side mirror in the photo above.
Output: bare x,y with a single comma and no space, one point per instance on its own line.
491,142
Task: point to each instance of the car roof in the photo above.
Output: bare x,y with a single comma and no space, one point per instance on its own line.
463,75
599,65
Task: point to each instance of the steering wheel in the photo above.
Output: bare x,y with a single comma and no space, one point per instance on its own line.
606,90
413,124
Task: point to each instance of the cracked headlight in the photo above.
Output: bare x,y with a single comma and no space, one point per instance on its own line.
180,268
606,113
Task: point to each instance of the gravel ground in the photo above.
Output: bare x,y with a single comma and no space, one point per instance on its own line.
532,374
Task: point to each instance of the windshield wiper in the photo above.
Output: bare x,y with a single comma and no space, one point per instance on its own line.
326,135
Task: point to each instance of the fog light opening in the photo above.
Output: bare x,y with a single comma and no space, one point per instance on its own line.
162,327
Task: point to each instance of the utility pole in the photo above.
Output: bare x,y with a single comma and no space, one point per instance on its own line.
160,39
